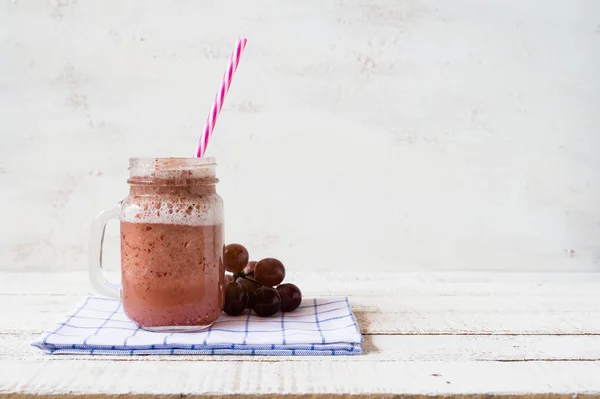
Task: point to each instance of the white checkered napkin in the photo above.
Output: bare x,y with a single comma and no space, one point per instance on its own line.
98,326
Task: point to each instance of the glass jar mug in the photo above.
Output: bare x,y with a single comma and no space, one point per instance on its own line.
171,224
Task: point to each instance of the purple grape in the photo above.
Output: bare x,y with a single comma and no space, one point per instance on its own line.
250,287
291,297
249,269
266,301
236,298
235,258
269,271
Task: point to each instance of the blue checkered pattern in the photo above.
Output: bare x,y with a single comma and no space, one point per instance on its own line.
98,326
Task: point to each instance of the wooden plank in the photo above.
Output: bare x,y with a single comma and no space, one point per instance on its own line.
427,338
361,284
383,315
110,378
17,347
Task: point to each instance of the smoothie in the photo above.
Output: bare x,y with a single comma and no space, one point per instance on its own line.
172,274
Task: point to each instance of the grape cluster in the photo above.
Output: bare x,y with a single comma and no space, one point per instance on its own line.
256,285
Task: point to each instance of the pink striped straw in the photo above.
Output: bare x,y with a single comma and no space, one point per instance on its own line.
234,61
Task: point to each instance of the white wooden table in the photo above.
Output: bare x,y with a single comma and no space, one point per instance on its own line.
463,334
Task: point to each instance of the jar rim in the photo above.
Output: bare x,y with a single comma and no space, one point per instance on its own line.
172,168
170,163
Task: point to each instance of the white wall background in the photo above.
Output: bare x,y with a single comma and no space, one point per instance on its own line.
410,134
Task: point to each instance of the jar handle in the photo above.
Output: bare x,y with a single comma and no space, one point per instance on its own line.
99,282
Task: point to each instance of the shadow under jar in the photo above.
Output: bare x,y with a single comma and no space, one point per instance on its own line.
172,244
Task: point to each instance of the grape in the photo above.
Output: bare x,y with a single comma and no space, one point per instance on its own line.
250,287
266,301
249,269
236,298
235,258
269,271
291,297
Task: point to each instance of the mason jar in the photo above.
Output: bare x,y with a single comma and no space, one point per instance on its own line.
171,225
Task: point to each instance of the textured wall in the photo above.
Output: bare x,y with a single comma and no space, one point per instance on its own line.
459,134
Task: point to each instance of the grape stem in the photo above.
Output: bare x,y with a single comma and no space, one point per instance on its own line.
245,277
